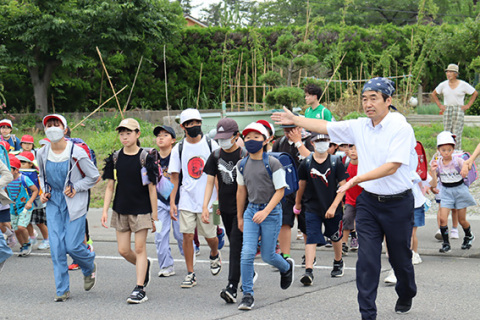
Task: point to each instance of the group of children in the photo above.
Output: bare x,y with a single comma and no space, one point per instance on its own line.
176,186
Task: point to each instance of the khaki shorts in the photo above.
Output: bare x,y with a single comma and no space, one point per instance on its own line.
131,222
189,220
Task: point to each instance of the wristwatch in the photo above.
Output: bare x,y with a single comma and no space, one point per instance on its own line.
298,144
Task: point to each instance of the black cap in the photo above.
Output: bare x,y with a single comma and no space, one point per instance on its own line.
170,130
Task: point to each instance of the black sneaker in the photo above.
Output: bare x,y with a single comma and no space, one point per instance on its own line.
328,243
229,294
307,279
403,306
344,249
147,275
467,242
445,248
137,296
247,302
286,278
337,271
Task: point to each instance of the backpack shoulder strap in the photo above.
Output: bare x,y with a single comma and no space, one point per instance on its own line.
308,161
115,158
216,153
209,142
243,162
243,153
333,161
323,113
266,162
143,157
180,150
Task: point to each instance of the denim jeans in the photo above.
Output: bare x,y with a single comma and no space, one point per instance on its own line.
268,230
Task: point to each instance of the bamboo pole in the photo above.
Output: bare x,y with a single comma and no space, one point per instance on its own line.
255,76
134,81
333,75
239,77
231,87
53,104
101,88
100,106
166,83
245,93
264,85
359,90
199,84
110,81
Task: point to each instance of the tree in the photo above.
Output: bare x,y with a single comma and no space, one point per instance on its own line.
43,35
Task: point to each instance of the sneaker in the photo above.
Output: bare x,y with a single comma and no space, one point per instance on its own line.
299,235
197,250
255,277
25,250
189,281
62,298
344,249
328,243
445,248
416,258
403,306
454,233
247,302
73,266
147,274
137,296
467,242
438,235
337,271
354,244
90,247
307,279
90,280
216,264
221,239
166,272
391,279
44,245
286,278
314,261
229,294
33,241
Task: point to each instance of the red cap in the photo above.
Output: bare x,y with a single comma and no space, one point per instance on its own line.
26,156
14,162
6,145
27,139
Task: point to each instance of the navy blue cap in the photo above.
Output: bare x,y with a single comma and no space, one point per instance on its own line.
170,130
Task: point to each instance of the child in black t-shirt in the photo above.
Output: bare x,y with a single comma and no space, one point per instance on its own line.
135,203
221,165
319,176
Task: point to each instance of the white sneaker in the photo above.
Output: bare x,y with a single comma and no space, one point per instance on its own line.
391,279
454,233
438,235
416,258
299,235
44,245
166,272
216,265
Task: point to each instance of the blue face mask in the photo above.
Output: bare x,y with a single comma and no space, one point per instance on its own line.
253,146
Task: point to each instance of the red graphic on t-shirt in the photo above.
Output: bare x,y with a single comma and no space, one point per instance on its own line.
195,167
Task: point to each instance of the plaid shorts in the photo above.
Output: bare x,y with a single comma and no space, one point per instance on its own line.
39,216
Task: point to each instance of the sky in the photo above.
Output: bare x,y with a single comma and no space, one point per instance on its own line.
203,4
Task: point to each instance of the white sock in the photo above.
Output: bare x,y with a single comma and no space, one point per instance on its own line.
8,232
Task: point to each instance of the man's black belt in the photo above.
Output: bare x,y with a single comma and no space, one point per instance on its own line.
389,197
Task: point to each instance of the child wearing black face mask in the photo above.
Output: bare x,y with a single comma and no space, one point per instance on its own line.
189,157
263,215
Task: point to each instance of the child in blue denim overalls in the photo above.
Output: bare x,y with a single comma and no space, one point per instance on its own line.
66,174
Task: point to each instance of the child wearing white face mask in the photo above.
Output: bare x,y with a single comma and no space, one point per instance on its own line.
66,174
319,175
221,165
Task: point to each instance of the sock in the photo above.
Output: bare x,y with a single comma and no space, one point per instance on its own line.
468,232
339,261
444,232
139,287
309,270
354,234
285,256
8,232
190,272
211,258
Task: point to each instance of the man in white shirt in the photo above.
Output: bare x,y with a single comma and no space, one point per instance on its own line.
453,108
384,142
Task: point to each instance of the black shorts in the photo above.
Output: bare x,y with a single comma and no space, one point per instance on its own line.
288,217
5,215
39,216
333,228
349,217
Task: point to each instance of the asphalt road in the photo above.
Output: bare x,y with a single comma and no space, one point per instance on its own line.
448,287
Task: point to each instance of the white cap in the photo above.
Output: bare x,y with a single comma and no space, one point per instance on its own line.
59,117
445,137
5,122
257,127
190,114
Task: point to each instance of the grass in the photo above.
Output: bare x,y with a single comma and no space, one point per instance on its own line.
100,135
431,108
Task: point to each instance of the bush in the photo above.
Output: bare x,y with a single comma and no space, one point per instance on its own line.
287,96
475,108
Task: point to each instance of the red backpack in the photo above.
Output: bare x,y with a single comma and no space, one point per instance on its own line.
422,167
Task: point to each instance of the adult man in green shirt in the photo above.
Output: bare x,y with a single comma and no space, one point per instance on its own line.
316,110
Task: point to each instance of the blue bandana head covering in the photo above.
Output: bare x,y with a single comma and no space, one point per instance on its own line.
380,84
